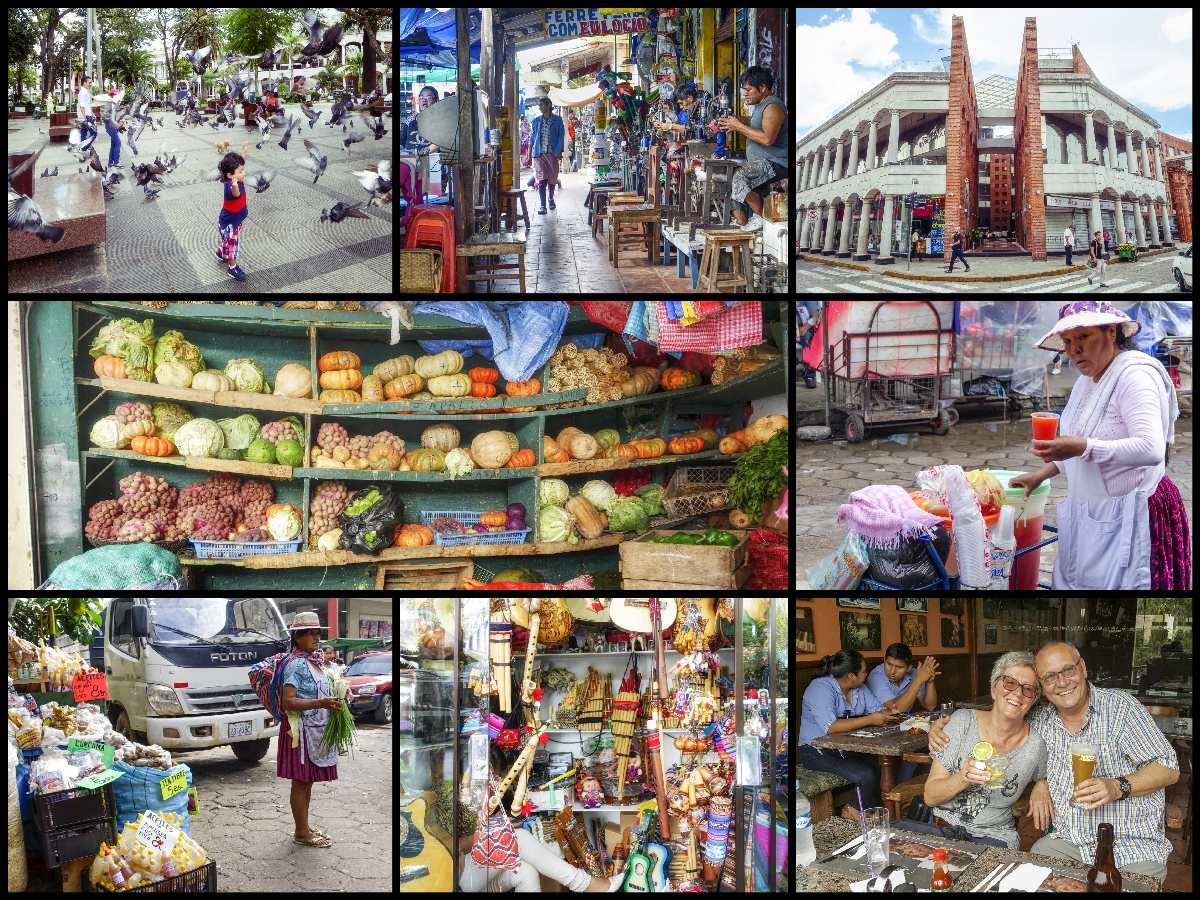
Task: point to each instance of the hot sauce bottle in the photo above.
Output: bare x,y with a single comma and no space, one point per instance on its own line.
940,882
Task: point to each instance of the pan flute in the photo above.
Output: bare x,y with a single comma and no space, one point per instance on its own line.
624,718
591,716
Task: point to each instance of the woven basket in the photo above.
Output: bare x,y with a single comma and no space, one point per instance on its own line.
420,271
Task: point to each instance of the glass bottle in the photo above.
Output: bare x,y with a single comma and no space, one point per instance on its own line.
940,882
1103,876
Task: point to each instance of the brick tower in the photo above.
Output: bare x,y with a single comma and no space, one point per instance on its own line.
962,140
1029,201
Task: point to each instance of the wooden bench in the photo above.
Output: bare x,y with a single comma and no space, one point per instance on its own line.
687,252
818,787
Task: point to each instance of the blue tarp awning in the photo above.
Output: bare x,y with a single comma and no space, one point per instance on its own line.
433,37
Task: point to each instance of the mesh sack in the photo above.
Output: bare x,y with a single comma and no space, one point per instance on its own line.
768,561
117,567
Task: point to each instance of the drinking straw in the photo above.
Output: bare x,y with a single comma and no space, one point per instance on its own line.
1046,380
862,815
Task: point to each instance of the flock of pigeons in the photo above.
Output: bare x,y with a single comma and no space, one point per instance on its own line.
25,215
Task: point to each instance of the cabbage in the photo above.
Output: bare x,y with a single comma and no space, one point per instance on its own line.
239,432
171,347
554,492
167,419
132,342
458,463
556,524
200,437
651,496
628,514
108,433
284,524
247,376
599,493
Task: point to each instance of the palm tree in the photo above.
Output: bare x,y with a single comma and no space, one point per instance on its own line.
353,67
292,44
129,65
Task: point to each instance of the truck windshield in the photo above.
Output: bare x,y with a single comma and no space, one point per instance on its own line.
223,621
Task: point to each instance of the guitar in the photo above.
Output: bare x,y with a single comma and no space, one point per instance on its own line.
632,614
660,858
640,866
426,861
584,608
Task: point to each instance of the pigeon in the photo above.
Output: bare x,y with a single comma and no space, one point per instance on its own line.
139,113
160,121
265,127
94,160
379,182
262,181
277,120
337,113
353,138
77,143
111,177
150,195
375,123
342,211
320,42
146,173
45,174
55,172
214,175
270,59
237,85
312,116
293,122
23,213
214,125
198,59
131,138
312,162
40,131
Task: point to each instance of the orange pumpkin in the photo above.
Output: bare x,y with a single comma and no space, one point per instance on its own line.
483,375
688,443
551,452
341,379
520,460
482,389
413,536
493,518
674,379
524,388
338,359
110,367
649,449
152,446
403,386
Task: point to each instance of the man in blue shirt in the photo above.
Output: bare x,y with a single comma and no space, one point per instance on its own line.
685,96
897,684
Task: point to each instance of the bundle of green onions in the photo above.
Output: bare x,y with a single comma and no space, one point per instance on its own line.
339,732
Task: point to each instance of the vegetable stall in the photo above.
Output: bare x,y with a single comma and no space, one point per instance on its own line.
402,445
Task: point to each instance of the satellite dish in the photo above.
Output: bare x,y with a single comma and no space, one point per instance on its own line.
438,124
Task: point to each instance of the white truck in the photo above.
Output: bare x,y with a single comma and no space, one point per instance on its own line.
177,671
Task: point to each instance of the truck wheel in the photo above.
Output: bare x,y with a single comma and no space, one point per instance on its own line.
251,751
383,712
122,726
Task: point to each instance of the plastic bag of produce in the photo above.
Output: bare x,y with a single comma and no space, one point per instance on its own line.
119,567
843,568
369,520
139,789
909,565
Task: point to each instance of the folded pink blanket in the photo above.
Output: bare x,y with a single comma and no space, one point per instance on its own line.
883,515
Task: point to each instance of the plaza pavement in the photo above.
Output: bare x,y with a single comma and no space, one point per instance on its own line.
168,245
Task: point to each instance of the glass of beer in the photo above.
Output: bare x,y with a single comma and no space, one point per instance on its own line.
1083,763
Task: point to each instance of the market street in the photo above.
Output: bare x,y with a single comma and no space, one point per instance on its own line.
245,823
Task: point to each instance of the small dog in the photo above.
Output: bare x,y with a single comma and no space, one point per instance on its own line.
222,147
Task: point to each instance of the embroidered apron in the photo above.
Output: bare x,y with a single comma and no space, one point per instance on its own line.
313,727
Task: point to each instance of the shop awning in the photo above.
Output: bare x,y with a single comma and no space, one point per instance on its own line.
575,96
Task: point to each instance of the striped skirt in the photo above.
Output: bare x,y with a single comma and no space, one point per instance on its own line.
1170,540
289,765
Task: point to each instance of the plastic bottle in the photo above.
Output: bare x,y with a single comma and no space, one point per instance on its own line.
114,874
1004,545
804,839
126,872
100,864
940,882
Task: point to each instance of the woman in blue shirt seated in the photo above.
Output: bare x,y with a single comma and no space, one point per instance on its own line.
836,702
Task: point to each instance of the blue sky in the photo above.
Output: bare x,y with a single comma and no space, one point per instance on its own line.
1145,57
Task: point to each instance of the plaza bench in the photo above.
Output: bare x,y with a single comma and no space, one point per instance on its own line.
72,201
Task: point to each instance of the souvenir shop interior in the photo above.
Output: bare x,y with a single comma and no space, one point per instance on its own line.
592,744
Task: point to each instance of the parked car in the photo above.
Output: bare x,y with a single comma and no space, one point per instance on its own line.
1181,268
370,677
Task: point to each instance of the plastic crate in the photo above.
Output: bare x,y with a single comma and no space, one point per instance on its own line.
694,490
76,842
75,806
466,519
198,881
236,549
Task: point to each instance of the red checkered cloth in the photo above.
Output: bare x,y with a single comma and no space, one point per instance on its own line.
612,314
738,326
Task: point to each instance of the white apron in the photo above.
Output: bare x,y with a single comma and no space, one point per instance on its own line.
313,727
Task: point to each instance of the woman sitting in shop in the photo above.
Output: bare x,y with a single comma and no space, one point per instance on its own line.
835,702
766,132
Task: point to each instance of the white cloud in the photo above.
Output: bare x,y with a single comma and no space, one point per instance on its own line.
933,25
1178,27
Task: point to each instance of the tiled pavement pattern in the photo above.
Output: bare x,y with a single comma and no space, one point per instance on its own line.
827,472
168,245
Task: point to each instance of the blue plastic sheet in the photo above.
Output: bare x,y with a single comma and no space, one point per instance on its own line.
140,790
1160,319
524,332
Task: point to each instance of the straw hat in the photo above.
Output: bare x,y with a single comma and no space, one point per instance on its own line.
1086,314
305,621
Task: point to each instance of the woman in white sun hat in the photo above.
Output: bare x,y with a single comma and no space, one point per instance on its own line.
1123,524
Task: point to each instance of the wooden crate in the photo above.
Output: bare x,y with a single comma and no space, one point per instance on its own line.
448,574
676,564
740,577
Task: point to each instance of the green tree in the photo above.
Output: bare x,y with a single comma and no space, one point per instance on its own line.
1146,648
369,20
128,65
252,31
41,618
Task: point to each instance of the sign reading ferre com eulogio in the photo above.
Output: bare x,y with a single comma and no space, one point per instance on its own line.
575,23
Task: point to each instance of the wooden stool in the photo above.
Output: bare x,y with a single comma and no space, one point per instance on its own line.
741,245
508,205
599,205
494,245
643,214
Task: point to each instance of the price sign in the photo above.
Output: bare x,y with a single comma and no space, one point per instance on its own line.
174,783
155,832
106,751
89,686
99,780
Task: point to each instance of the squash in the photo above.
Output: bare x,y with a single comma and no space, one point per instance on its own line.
740,435
493,518
173,373
729,445
110,366
675,379
340,397
551,452
448,362
521,459
587,520
518,574
341,379
413,536
619,451
762,430
391,369
649,449
482,390
483,375
607,437
383,457
138,427
217,382
643,381
428,460
293,380
514,444
491,449
152,446
449,385
710,437
372,389
402,386
338,359
564,435
688,443
581,446
524,388
440,437
341,454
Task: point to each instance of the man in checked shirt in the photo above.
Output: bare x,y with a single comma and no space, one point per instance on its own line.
1134,765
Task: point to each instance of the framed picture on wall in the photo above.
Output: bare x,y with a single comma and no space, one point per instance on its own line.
953,633
952,607
914,631
1011,610
912,604
860,631
991,609
989,634
859,602
806,638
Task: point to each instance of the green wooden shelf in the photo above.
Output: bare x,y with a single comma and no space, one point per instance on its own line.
325,474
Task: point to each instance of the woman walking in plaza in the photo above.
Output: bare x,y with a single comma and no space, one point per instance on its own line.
1096,254
114,136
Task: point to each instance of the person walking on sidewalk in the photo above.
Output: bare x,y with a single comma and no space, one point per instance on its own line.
547,140
917,245
956,251
1069,241
1096,253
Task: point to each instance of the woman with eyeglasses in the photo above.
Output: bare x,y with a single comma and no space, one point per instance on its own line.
972,798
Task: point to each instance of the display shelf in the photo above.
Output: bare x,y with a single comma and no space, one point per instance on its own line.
621,655
582,466
288,406
324,474
240,467
459,404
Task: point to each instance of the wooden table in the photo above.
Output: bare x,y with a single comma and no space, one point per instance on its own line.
838,875
887,748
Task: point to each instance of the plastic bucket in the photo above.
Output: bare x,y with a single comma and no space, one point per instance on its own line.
1029,514
951,562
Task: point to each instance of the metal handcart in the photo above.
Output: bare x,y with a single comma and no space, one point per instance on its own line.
886,362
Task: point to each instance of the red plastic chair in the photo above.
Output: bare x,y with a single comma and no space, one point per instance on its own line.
433,226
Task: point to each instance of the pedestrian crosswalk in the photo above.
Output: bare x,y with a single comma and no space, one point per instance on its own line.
835,281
